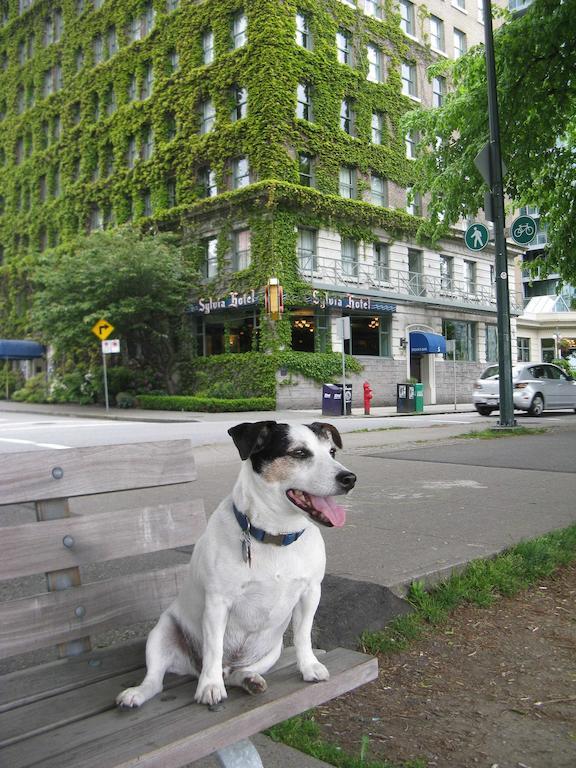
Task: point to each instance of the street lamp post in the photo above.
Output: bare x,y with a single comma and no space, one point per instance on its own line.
497,189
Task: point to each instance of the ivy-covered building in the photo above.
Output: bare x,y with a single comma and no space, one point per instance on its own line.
267,132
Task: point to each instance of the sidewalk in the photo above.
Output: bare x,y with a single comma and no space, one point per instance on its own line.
137,414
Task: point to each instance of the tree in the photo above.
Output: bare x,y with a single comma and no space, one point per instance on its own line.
536,73
138,283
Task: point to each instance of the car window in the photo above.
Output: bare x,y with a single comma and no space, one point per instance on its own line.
537,371
490,373
551,372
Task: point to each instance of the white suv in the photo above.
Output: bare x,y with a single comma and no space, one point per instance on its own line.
537,387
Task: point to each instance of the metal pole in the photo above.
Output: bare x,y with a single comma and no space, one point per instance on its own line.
105,379
344,374
502,293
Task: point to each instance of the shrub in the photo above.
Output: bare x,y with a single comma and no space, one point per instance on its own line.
35,390
10,381
207,404
125,400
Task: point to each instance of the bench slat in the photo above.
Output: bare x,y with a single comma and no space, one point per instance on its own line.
96,469
39,547
43,620
56,677
174,732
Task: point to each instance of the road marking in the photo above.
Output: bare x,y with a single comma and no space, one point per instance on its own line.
32,442
24,426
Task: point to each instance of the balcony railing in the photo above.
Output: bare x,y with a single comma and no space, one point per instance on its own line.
348,275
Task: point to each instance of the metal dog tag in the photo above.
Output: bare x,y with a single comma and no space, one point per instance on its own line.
247,548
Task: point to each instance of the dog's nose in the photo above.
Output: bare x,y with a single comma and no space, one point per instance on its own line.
347,480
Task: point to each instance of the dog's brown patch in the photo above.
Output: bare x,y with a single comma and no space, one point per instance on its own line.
279,470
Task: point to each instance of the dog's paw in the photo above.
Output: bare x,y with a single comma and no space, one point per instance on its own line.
210,693
315,672
254,683
131,697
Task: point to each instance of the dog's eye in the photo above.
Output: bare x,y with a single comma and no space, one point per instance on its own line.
333,452
300,453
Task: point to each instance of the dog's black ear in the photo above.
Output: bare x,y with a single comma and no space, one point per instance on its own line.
251,437
324,430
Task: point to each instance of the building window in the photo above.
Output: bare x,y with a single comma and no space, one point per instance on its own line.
96,107
171,5
147,83
239,30
207,46
96,220
378,190
112,41
409,82
377,127
460,44
491,343
171,192
470,276
146,203
56,181
307,250
374,8
131,152
207,116
108,160
240,173
147,143
446,272
208,185
464,336
411,142
52,80
459,4
304,102
20,100
142,25
110,99
347,182
210,261
381,258
240,98
344,47
523,347
375,68
438,90
42,188
303,35
132,88
98,49
173,61
241,250
78,59
413,202
56,128
437,39
415,272
347,117
306,170
349,258
170,125
407,17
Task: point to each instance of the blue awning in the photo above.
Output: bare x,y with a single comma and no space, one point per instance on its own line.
423,342
13,349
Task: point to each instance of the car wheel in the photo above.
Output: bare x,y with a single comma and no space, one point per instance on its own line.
536,406
483,410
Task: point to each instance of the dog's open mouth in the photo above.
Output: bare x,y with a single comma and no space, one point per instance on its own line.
323,509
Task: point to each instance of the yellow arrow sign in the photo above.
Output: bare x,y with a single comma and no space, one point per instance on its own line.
102,329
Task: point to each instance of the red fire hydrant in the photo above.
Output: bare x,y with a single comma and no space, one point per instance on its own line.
367,397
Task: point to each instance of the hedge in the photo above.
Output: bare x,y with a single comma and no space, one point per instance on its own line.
210,404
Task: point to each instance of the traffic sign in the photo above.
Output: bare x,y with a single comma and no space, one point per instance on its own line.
102,329
111,346
523,230
476,237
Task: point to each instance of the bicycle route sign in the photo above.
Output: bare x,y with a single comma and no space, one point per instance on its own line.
523,230
476,237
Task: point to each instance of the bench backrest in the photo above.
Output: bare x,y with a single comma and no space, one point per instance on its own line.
87,506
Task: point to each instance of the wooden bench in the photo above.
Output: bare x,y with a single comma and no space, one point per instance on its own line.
119,504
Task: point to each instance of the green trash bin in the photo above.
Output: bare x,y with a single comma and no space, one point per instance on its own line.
419,398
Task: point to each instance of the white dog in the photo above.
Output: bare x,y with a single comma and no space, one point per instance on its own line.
258,564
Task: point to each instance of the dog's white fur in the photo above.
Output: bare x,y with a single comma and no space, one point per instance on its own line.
227,623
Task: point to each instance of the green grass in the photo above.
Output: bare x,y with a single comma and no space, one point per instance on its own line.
482,582
303,733
492,434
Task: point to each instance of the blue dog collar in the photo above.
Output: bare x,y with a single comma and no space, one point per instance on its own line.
280,540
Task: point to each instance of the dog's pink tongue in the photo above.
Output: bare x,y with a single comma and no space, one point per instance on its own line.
334,512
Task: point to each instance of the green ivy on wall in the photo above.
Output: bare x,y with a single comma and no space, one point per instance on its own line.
80,136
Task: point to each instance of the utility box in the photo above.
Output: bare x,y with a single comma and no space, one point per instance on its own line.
418,398
405,398
332,404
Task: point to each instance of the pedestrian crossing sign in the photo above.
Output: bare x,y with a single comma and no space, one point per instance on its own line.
476,237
